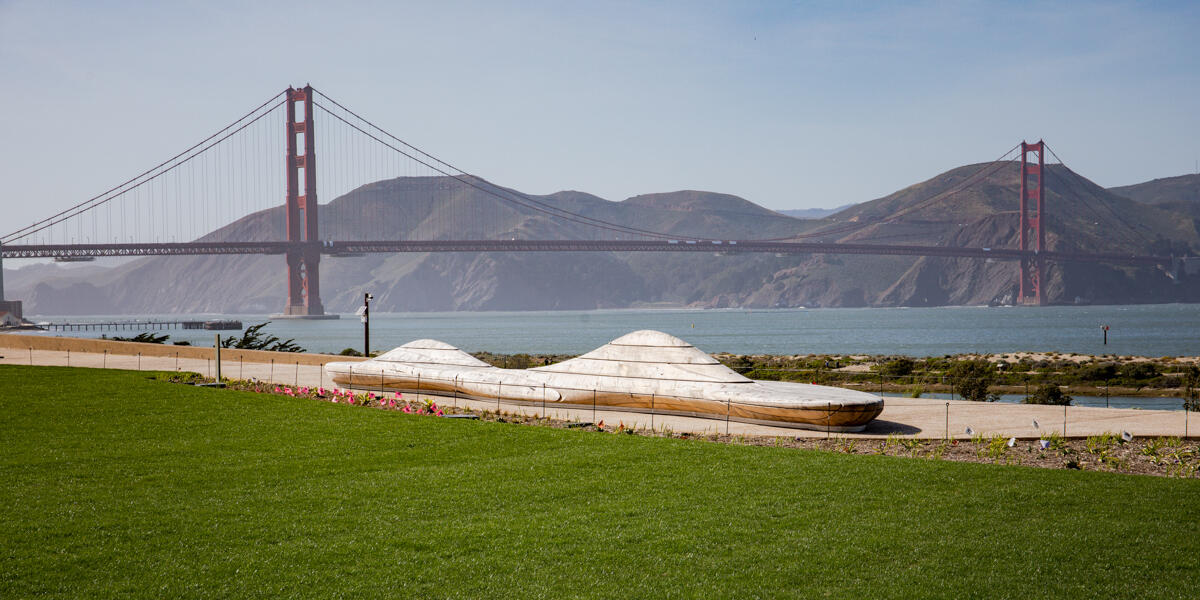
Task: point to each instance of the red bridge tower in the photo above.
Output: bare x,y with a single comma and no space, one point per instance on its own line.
304,256
1032,269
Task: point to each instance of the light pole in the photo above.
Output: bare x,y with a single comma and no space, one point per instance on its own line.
365,314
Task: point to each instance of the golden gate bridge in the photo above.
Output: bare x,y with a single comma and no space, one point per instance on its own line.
232,175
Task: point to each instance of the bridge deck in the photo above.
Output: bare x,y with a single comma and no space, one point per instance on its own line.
709,246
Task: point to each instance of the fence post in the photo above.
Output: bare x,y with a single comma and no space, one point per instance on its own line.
296,381
140,365
594,405
499,392
651,413
543,400
829,413
104,360
176,362
456,392
947,420
1064,420
727,410
68,357
31,356
271,376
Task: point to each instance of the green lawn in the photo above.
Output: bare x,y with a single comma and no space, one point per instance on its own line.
117,485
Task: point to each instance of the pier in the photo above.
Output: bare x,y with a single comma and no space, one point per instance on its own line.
137,325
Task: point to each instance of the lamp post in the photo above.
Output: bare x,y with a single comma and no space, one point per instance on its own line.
364,314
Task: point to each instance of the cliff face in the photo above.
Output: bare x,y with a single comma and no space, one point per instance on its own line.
1081,217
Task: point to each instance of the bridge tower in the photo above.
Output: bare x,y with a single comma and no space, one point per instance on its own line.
1032,269
304,254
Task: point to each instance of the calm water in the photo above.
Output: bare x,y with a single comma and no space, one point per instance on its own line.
1144,403
1148,330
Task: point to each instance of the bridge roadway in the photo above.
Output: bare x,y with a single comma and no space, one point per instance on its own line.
681,245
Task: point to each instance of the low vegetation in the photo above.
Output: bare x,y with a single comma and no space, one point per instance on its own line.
1048,393
255,339
117,484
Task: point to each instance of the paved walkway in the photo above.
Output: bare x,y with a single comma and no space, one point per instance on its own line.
904,417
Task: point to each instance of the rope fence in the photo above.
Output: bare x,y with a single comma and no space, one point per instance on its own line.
938,412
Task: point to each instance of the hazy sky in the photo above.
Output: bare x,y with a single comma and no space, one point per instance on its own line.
790,105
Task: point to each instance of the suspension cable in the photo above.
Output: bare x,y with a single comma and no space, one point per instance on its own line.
124,188
522,200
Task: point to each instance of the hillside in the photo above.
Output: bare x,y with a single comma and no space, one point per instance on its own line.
813,213
1081,217
1180,194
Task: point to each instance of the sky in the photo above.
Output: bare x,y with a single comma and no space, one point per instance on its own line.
787,104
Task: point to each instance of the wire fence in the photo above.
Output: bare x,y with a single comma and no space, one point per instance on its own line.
905,416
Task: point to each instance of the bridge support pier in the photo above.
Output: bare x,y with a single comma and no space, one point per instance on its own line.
1032,269
12,307
303,233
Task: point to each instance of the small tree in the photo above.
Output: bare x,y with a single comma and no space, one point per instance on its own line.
254,339
971,379
144,337
1191,380
1048,393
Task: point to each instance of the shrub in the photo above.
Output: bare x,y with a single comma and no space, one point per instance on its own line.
971,379
1098,372
1048,393
897,368
1139,370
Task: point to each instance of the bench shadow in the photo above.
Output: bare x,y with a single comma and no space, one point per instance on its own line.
881,427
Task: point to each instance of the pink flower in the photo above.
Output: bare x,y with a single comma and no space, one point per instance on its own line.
277,390
398,395
437,412
321,391
407,409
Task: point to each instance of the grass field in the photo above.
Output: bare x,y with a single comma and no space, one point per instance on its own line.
117,485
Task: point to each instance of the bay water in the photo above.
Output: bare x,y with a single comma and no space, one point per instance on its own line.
1143,330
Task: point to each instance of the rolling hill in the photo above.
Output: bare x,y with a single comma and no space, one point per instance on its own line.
1180,194
939,211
